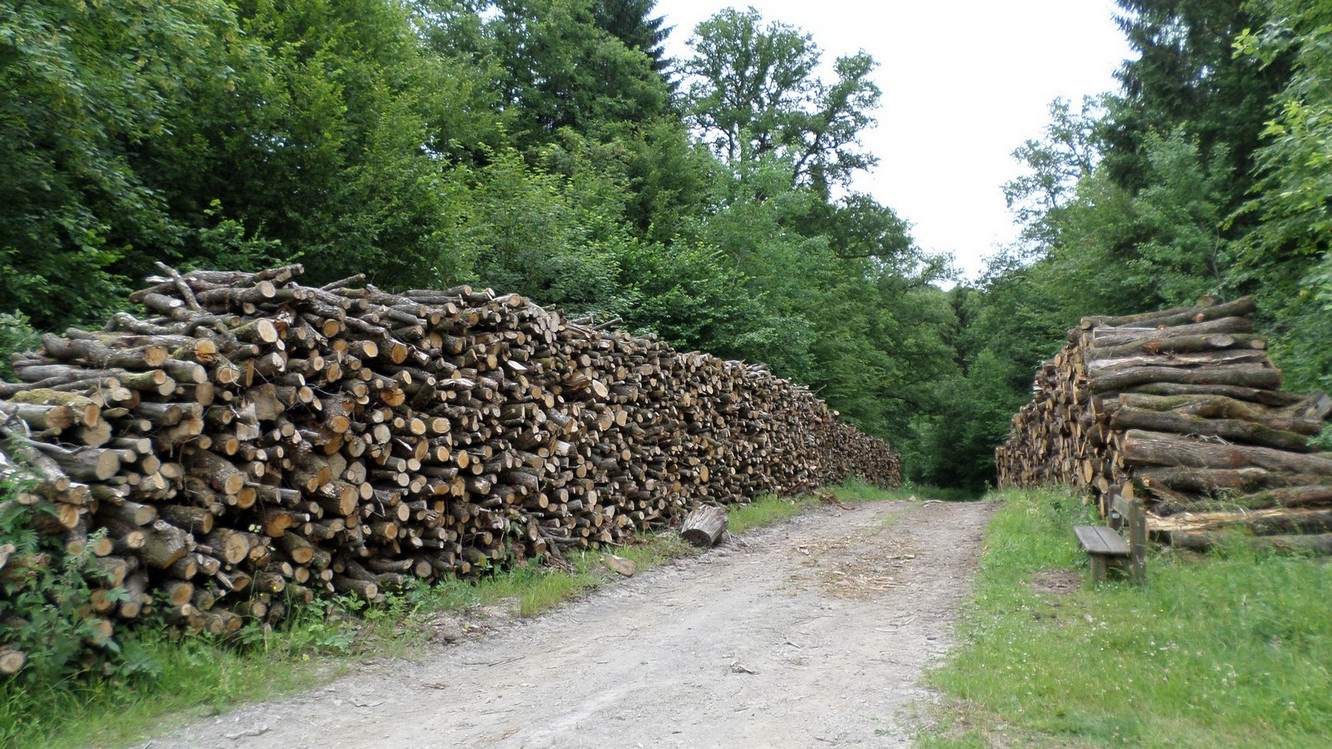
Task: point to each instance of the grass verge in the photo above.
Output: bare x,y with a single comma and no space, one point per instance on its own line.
764,511
1232,649
199,676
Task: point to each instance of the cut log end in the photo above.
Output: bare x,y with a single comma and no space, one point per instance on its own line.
704,526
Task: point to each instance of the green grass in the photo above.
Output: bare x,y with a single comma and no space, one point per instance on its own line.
764,511
196,675
1229,649
654,551
769,509
857,490
533,589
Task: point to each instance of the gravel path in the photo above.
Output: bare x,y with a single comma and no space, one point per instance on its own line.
812,633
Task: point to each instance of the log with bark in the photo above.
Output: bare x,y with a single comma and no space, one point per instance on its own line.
704,526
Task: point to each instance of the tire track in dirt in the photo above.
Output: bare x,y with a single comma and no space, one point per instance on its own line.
812,633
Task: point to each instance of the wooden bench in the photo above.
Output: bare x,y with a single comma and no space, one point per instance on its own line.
1107,548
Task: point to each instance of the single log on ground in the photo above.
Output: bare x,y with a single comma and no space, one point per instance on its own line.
704,526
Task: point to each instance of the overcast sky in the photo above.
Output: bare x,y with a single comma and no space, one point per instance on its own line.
964,83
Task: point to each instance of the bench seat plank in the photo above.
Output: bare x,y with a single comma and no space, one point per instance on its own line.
1101,540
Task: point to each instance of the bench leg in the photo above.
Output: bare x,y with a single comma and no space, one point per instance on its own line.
1097,569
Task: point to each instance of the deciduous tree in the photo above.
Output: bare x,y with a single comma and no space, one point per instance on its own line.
753,92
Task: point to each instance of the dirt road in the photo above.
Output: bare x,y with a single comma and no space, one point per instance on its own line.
813,633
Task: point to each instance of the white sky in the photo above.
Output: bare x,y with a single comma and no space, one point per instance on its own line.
964,83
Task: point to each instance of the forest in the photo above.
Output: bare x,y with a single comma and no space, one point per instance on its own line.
551,148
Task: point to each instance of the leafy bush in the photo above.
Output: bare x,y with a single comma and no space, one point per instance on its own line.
16,334
45,596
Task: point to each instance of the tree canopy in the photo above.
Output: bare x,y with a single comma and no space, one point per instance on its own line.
753,92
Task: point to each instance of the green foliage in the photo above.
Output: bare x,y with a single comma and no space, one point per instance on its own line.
338,104
554,66
528,145
85,86
687,294
1186,76
1130,204
1180,212
1228,649
529,235
956,439
630,21
1053,166
16,335
753,91
227,245
1287,251
1162,246
44,596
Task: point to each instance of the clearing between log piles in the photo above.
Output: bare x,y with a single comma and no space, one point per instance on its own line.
810,633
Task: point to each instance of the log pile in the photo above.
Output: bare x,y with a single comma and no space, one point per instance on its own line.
1182,408
253,441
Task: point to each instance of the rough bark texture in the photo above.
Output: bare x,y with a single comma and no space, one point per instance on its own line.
704,526
1181,408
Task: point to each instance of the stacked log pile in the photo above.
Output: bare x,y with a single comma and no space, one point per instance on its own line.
1182,408
255,441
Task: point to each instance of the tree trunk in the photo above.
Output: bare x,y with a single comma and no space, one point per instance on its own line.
1229,429
1244,375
